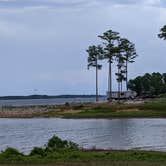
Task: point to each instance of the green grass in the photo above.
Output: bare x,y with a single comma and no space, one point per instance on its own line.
153,109
119,114
64,153
78,156
108,163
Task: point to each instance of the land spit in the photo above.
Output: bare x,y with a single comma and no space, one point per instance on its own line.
155,108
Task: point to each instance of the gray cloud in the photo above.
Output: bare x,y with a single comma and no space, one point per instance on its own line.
74,3
45,50
47,3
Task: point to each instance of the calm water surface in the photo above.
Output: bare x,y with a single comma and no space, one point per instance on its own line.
24,134
47,101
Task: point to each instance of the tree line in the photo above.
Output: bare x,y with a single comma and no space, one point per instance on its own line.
115,49
149,85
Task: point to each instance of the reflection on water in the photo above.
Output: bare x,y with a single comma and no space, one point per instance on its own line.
24,134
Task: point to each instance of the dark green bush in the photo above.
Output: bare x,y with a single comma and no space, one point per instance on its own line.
67,104
56,143
77,107
72,145
10,152
38,151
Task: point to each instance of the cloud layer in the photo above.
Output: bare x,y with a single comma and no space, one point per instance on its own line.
74,3
43,42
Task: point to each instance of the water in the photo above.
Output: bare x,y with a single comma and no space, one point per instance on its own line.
47,101
144,134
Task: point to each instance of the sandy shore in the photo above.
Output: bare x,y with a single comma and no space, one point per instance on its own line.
24,112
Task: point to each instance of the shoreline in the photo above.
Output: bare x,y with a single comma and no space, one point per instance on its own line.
105,110
58,151
72,157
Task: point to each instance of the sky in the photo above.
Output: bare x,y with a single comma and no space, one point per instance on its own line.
43,42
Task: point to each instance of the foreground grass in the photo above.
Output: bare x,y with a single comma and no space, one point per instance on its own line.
78,157
64,153
108,163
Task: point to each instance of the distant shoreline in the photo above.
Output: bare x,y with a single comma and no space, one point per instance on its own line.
46,97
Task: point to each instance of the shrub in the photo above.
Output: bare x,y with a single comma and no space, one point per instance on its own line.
38,151
72,145
56,143
78,107
67,104
11,152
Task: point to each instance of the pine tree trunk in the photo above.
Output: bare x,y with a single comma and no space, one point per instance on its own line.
110,81
126,76
97,95
118,86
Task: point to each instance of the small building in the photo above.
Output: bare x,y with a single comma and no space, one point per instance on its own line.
123,95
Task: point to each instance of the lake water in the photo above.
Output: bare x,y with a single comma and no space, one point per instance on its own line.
47,101
145,134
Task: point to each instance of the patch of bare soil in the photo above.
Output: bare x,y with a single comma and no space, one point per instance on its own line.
19,112
71,111
129,110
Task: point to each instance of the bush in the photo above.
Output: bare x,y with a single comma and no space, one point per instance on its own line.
38,151
11,152
72,145
67,104
56,143
78,107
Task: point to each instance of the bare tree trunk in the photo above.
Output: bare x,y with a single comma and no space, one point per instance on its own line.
126,75
97,95
118,86
110,81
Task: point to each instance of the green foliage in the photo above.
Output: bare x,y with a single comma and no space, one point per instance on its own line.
162,34
56,143
78,107
149,85
66,154
95,53
10,152
11,155
38,151
67,104
151,109
111,47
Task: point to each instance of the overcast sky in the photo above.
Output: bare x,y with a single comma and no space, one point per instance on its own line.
43,42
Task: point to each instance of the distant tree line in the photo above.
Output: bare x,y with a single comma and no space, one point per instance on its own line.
45,97
149,85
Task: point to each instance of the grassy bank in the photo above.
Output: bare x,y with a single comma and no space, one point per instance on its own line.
64,153
148,109
108,163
